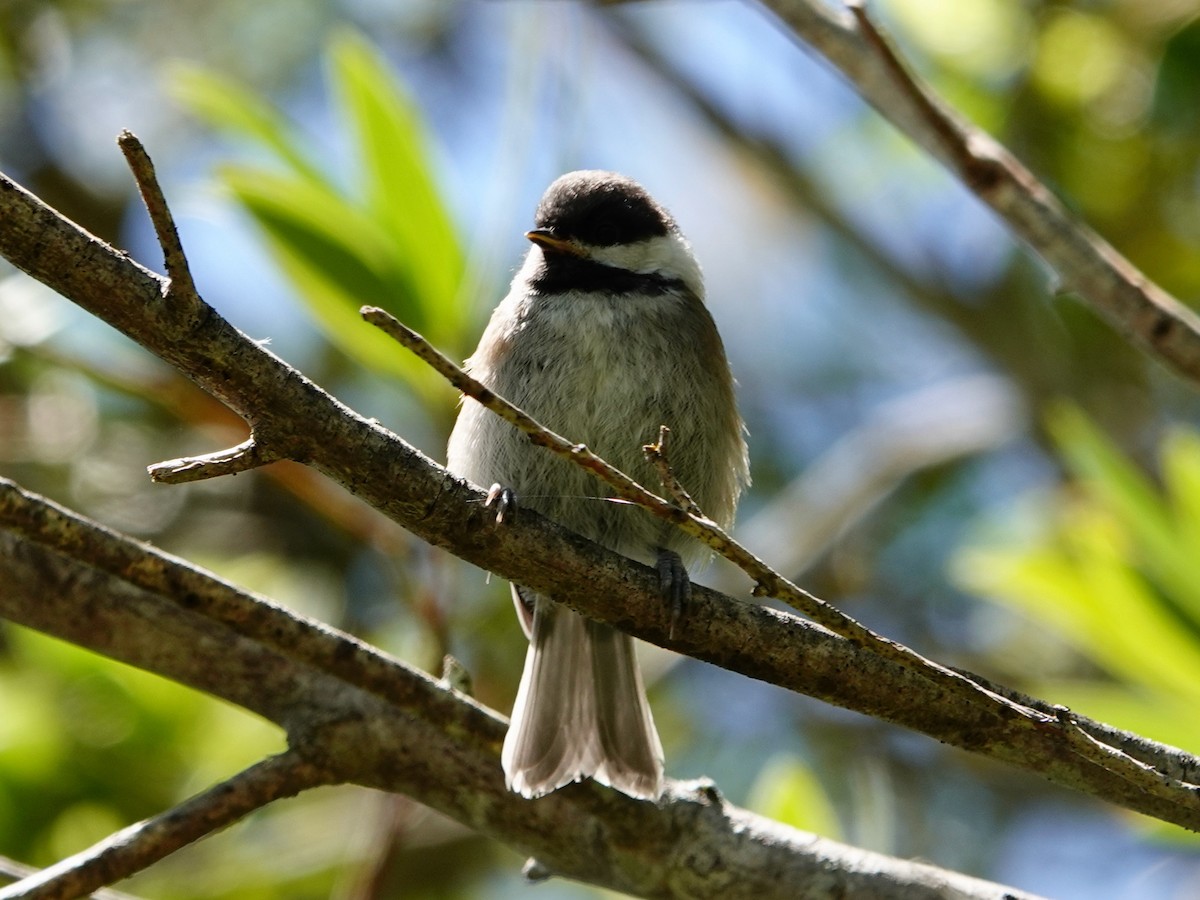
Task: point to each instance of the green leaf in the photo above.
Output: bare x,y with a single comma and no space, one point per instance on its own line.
227,106
399,188
1176,103
1097,461
1078,580
1111,566
337,258
1181,479
787,791
1118,484
392,245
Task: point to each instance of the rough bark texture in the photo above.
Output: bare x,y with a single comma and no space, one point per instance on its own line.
404,732
293,418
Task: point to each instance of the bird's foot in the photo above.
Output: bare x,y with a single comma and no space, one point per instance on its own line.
674,584
504,499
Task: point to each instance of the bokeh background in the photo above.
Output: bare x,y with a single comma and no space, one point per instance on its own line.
945,442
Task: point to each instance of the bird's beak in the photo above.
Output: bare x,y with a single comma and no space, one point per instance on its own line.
547,241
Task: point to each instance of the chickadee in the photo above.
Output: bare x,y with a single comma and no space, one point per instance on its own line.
603,337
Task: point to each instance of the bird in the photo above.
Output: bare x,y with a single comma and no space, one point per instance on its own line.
603,337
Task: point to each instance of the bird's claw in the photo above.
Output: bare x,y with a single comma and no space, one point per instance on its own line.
504,499
674,584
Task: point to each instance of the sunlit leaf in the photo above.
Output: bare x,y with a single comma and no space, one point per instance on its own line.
1096,460
226,105
1181,479
985,38
1080,57
787,791
336,256
1112,570
391,245
1080,584
1122,487
399,188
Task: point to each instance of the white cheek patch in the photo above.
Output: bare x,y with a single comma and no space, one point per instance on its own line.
667,255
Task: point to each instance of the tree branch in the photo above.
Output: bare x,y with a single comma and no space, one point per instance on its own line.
139,846
768,582
242,458
300,421
1085,263
353,714
978,318
10,868
179,288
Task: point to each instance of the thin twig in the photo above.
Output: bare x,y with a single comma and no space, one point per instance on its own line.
174,259
242,458
136,847
769,583
1086,264
185,301
10,868
657,455
978,173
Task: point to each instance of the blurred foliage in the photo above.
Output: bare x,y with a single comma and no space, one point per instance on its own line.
88,745
391,245
1107,561
788,791
1099,98
844,269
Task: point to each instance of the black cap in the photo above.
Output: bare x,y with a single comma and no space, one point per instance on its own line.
603,209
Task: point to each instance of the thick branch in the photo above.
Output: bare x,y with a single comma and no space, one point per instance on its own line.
1085,263
308,425
770,583
406,732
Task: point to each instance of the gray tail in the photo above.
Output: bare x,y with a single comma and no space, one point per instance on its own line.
581,709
